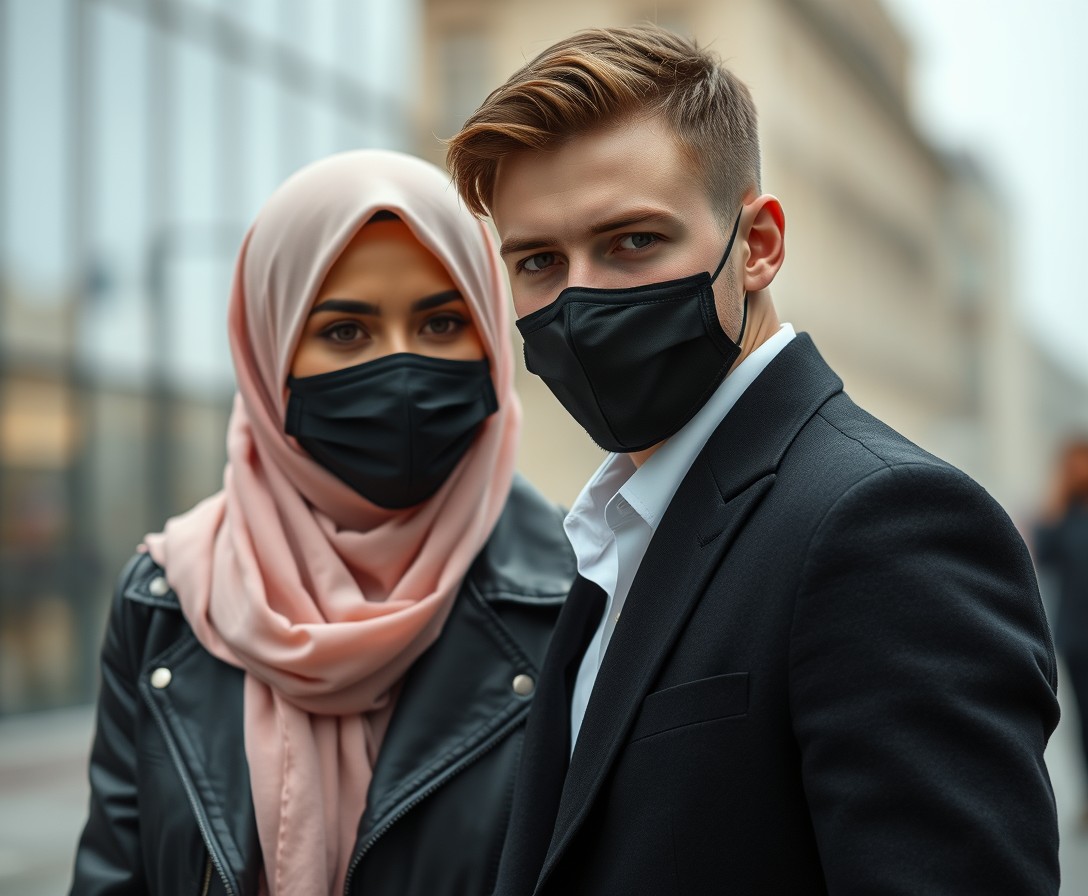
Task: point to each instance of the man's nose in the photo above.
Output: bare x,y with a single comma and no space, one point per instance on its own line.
579,273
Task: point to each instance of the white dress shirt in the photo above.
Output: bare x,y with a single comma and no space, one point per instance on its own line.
618,511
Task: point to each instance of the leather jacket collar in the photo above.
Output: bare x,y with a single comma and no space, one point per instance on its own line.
458,700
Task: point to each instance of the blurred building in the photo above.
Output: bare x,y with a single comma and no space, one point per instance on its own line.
898,256
137,140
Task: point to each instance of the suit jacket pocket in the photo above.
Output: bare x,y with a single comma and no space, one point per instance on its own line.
704,700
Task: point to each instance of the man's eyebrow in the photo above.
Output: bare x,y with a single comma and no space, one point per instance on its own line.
632,218
512,245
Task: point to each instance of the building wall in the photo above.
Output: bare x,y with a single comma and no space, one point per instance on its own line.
895,262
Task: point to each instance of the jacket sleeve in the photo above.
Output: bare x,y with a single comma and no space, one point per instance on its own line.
108,860
923,693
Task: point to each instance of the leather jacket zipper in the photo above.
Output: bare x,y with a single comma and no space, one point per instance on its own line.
207,876
193,801
497,738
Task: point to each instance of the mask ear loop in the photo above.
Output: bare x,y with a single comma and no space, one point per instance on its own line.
744,318
728,248
721,264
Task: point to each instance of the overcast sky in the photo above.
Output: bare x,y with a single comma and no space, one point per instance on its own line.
1008,81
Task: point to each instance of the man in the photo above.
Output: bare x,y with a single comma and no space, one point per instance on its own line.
802,655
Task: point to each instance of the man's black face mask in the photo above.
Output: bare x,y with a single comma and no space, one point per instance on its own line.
394,428
632,365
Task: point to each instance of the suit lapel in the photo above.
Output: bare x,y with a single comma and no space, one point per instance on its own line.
547,743
669,583
724,485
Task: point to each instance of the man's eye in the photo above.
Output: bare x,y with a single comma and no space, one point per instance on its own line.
637,240
534,264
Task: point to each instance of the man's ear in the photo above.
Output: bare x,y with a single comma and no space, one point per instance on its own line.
765,240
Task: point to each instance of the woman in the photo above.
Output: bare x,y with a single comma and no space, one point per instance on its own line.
1061,549
315,681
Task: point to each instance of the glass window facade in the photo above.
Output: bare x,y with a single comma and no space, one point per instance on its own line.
137,140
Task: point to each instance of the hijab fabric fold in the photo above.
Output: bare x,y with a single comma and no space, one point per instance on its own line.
323,598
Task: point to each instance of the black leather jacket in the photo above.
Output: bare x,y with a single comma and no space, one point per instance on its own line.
171,809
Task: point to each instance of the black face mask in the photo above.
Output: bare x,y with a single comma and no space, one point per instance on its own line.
632,365
393,429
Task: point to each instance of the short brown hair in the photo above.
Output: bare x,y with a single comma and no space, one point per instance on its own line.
603,75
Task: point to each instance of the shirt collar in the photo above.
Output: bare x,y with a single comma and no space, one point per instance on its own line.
649,489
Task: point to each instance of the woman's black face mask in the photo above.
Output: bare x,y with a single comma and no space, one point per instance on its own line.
393,428
634,365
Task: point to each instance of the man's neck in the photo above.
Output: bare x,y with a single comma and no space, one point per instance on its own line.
762,324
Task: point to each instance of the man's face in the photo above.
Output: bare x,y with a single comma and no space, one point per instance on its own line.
619,207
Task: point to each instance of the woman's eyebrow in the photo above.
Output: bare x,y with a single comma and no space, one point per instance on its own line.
357,306
349,306
439,298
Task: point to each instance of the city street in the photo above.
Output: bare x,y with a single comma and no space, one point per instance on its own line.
43,799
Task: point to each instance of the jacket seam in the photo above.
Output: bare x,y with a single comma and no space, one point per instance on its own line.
907,468
817,530
854,439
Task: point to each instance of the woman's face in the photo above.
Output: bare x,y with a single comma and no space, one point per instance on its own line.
385,294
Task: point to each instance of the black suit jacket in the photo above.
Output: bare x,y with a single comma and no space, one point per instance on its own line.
832,675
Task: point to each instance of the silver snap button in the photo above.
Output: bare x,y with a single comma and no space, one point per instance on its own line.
160,678
158,586
523,685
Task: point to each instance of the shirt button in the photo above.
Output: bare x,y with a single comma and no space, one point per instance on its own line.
160,678
158,586
523,685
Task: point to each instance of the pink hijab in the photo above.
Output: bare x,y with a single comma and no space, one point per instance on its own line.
324,599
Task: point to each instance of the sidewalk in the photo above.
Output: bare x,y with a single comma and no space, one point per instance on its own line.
43,799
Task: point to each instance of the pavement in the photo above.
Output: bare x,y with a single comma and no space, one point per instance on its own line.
43,799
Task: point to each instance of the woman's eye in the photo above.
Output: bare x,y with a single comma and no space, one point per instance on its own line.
637,240
345,331
534,264
444,325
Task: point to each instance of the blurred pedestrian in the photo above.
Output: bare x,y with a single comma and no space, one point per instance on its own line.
315,681
1061,549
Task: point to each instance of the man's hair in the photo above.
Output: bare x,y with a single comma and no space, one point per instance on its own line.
604,75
